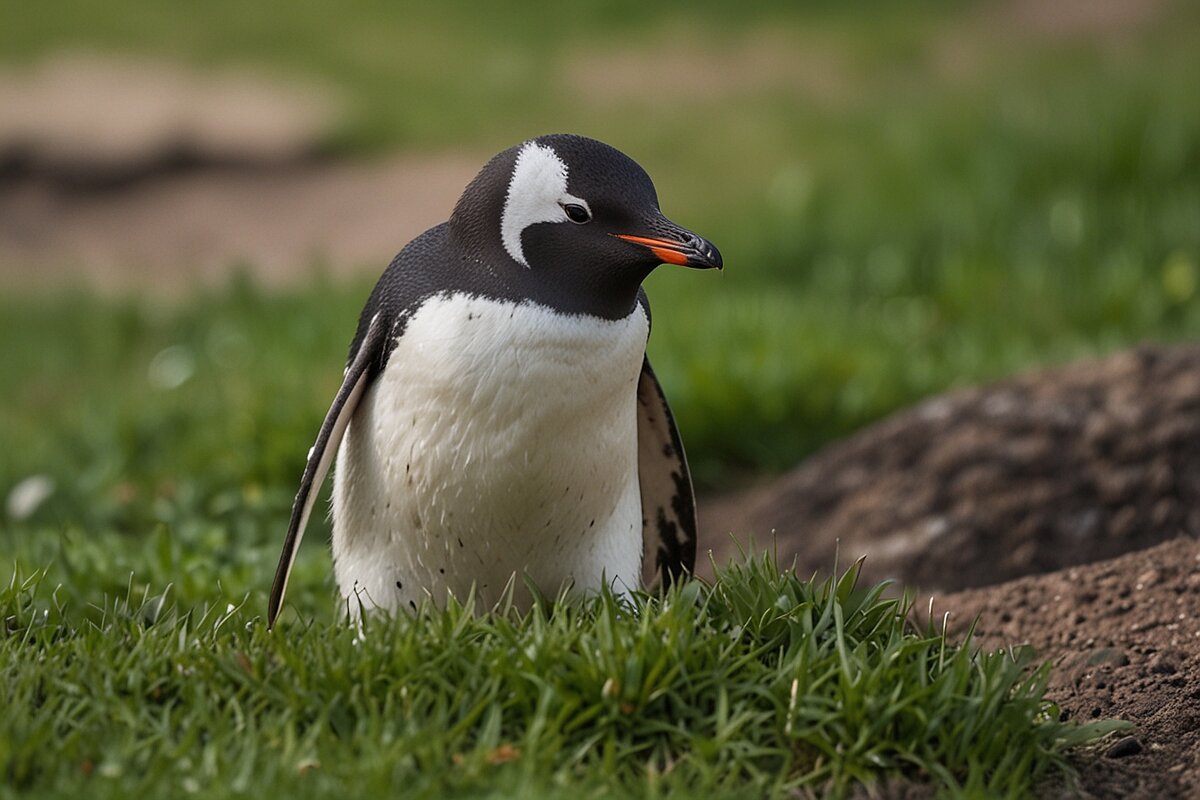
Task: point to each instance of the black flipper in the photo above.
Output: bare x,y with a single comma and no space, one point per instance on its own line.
358,375
668,503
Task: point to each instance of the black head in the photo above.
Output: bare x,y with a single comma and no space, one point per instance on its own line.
571,222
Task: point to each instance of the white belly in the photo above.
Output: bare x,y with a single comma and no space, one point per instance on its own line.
500,440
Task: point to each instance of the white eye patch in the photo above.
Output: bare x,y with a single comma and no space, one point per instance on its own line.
537,192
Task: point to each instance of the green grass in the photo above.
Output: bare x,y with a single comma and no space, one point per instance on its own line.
761,683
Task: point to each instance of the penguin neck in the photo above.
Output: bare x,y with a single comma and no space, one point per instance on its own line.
487,269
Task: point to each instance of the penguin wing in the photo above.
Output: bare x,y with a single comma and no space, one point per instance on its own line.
668,504
358,376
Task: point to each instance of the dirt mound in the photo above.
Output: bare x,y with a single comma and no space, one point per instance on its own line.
90,119
1076,18
132,174
173,231
1028,475
1124,640
686,67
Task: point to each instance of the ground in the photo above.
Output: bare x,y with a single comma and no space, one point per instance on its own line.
907,201
189,227
1124,638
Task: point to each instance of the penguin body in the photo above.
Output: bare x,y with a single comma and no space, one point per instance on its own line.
499,419
484,478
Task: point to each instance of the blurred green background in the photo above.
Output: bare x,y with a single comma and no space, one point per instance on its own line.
908,197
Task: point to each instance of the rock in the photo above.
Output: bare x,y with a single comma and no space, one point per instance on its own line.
1129,746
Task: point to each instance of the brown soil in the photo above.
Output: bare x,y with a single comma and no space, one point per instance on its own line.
1028,475
1124,640
684,66
179,229
1077,18
90,118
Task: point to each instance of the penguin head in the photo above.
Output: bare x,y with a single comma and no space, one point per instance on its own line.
572,215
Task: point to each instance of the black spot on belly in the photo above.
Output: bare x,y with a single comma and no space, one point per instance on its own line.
412,605
400,585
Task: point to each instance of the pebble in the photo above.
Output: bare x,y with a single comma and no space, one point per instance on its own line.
1129,746
1147,578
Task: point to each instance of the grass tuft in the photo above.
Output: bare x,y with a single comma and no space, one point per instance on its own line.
760,682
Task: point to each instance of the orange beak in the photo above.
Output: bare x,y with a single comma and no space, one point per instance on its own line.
691,251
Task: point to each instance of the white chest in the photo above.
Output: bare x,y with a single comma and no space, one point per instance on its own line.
500,439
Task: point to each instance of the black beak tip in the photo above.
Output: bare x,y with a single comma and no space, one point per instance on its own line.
705,255
713,256
672,244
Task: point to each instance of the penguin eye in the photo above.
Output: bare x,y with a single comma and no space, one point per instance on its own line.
577,213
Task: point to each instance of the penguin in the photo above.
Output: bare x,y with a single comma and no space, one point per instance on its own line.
499,421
